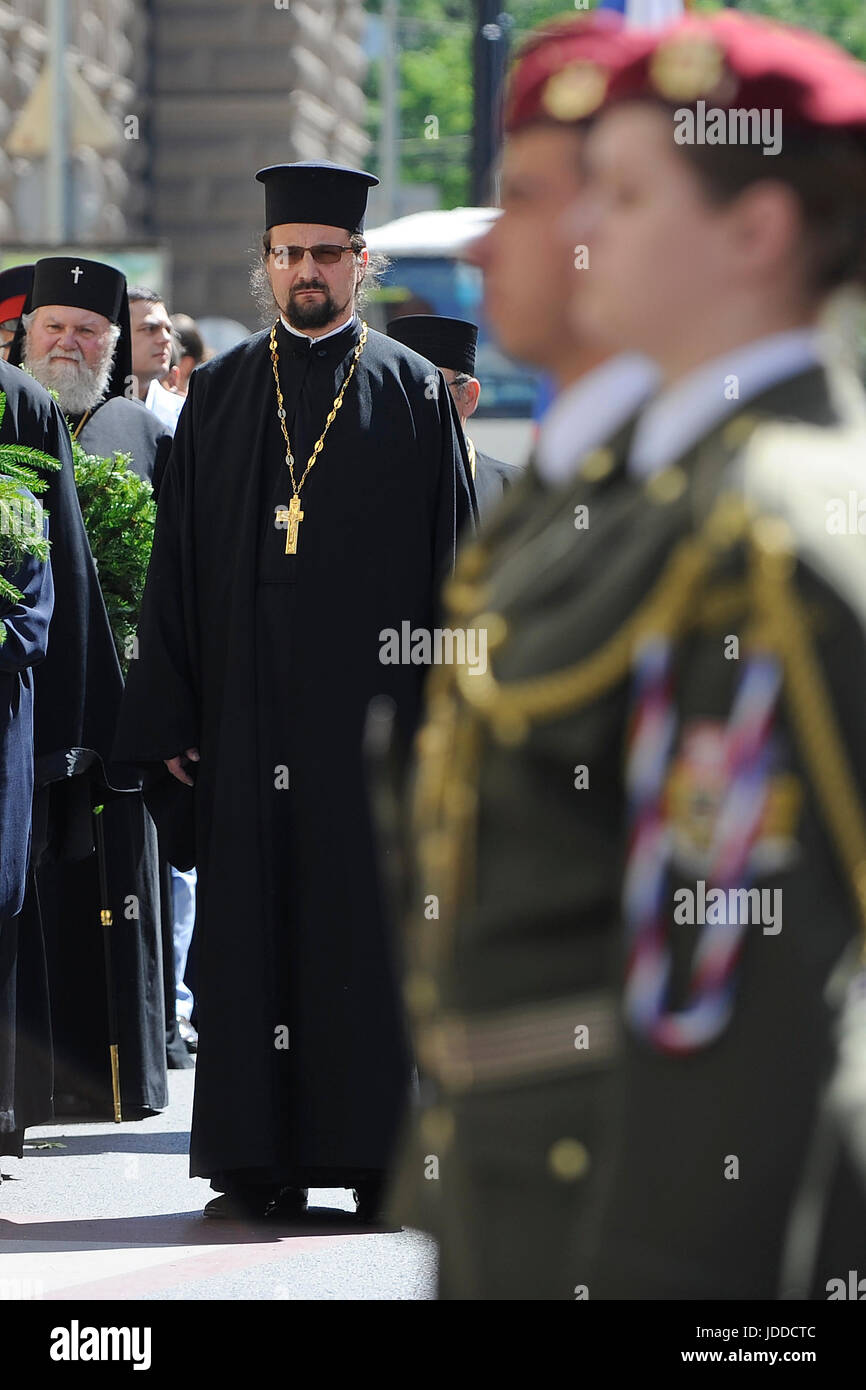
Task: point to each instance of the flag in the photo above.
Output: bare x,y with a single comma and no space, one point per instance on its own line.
646,14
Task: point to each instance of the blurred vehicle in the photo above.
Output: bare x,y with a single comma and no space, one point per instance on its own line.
426,276
220,334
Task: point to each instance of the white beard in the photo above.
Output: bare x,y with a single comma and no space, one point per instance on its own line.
79,387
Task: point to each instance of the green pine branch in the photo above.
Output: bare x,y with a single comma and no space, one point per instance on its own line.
119,516
21,530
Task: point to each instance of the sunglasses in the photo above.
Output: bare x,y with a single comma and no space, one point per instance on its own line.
323,254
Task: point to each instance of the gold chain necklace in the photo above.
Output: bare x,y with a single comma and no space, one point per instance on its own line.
81,423
292,514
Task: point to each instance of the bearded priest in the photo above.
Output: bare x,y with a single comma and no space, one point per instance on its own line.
74,337
313,499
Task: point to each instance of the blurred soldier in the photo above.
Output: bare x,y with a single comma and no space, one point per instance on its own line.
529,264
450,344
655,795
14,286
513,1240
745,763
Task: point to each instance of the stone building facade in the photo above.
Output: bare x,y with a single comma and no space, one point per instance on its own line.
199,93
105,39
236,85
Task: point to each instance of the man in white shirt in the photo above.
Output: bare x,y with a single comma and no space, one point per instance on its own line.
152,337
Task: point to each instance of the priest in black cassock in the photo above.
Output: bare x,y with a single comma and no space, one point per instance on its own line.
451,344
77,691
74,337
312,501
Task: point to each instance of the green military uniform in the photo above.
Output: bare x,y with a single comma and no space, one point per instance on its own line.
557,1153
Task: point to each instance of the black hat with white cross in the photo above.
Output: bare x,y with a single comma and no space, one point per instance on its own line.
74,282
80,284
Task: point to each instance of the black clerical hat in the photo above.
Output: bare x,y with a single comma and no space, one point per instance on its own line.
316,191
444,342
82,284
79,283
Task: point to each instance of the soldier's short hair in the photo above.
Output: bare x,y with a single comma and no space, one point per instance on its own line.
826,170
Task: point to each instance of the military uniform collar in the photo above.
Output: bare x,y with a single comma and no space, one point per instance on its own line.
695,406
590,412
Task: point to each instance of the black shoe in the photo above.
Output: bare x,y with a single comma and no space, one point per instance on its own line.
138,1112
245,1204
369,1197
289,1205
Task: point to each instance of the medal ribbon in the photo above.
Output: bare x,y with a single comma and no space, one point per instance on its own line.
645,899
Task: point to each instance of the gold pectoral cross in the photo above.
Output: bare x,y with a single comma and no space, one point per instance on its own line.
293,516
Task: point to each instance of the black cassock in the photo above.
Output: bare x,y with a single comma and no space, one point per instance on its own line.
26,631
492,477
70,898
120,423
77,690
267,663
76,698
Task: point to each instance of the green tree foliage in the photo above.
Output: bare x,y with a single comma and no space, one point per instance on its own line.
435,80
435,73
119,516
20,521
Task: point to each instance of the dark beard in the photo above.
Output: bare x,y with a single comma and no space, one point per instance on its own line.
267,305
315,314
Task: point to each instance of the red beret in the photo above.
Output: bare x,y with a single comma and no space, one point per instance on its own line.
15,285
730,59
11,308
562,71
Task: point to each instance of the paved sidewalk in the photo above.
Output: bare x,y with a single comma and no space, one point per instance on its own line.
105,1211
